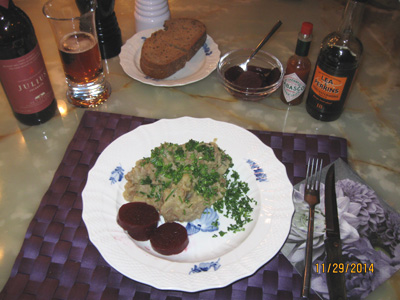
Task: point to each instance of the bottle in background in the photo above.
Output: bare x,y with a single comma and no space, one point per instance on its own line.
151,14
298,68
23,73
336,66
108,31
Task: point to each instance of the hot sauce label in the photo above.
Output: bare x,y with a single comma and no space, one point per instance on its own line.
327,86
292,87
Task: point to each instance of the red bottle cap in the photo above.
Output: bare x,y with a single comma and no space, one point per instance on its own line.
306,28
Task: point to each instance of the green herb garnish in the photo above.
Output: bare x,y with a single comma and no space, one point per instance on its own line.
203,163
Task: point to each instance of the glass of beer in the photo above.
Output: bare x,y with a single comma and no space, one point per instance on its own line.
74,28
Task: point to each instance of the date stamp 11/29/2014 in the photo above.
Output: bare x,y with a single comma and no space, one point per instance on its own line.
354,268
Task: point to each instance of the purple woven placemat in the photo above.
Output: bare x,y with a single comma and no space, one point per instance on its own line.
57,260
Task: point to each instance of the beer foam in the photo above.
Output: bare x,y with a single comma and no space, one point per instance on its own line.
77,42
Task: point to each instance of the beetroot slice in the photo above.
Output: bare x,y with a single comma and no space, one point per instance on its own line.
139,219
169,239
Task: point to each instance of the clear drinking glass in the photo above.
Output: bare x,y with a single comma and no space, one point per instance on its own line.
74,29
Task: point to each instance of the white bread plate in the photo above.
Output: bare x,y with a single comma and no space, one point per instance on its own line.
200,66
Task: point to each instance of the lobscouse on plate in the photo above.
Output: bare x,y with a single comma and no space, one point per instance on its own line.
208,262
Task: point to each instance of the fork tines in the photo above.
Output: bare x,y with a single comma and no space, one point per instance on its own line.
314,171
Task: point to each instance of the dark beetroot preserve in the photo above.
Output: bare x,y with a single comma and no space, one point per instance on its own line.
139,219
169,238
254,77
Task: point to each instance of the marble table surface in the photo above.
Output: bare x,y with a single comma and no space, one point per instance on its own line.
29,156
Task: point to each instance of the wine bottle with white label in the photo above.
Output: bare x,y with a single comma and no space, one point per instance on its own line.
336,66
23,73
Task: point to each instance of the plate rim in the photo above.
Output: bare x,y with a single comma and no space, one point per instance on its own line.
214,275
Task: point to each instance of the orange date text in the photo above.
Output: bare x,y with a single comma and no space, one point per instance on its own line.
354,268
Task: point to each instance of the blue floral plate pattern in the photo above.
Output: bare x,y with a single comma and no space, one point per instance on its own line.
208,261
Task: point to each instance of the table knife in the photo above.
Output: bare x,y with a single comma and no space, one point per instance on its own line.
333,244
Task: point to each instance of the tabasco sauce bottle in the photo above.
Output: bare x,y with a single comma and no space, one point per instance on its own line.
298,68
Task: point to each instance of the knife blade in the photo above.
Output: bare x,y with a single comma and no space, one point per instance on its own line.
333,244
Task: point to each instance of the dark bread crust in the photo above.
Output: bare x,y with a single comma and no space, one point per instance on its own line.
167,51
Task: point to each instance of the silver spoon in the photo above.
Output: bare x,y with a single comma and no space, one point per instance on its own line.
260,45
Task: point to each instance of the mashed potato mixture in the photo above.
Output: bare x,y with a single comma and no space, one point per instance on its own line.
180,181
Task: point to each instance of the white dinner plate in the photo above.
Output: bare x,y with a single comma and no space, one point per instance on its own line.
199,67
207,262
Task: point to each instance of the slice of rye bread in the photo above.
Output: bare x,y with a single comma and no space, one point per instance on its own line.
167,51
159,59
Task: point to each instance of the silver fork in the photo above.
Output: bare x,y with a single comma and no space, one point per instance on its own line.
311,196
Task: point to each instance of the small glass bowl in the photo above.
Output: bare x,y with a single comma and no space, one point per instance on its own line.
262,59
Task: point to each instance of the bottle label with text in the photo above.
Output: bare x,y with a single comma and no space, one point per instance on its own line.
4,3
326,86
26,82
292,87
